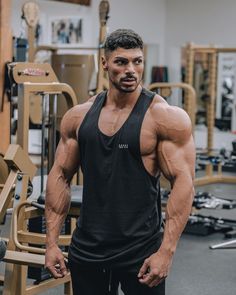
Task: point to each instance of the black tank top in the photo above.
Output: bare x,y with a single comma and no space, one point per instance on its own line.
120,220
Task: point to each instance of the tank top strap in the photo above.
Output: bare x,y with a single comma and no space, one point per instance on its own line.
94,112
135,120
99,101
144,102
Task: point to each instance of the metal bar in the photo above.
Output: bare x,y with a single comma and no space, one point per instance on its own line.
44,110
222,245
23,117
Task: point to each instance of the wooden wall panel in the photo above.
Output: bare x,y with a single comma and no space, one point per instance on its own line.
5,55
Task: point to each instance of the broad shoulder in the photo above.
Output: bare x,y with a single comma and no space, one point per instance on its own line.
171,122
73,117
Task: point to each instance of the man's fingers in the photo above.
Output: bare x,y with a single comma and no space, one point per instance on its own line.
59,270
151,279
55,271
155,282
146,278
143,269
63,267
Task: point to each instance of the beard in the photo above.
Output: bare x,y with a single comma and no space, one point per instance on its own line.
125,88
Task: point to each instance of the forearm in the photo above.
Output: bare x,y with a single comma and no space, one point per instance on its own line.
57,206
177,212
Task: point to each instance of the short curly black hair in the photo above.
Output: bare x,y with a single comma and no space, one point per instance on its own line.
122,38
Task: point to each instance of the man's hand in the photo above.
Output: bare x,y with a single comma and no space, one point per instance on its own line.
55,262
155,269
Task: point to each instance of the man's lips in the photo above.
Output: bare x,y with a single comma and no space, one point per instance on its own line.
128,80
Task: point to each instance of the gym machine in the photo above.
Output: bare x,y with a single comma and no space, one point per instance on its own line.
16,161
17,259
212,54
31,79
81,64
210,224
39,79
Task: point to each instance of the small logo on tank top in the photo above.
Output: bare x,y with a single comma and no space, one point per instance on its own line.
123,146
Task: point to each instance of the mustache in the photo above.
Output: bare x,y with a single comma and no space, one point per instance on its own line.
129,77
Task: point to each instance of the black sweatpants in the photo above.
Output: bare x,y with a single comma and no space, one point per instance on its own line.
93,281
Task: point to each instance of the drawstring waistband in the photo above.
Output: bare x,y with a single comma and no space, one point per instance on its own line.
110,278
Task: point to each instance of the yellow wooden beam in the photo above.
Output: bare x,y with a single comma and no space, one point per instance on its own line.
5,55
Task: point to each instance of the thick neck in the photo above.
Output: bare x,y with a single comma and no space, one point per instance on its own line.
121,99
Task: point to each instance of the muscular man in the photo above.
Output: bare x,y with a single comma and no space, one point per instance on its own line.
123,139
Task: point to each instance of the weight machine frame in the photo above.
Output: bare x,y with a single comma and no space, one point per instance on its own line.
212,52
31,79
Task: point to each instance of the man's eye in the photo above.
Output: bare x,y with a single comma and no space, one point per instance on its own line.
120,62
138,62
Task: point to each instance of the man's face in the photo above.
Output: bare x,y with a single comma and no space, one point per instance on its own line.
125,68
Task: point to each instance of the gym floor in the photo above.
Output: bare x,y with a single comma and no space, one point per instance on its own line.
196,269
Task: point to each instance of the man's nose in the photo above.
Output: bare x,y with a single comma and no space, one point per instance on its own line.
130,68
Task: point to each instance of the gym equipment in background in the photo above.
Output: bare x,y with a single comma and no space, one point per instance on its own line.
190,95
39,79
211,54
22,250
30,12
204,225
77,71
31,78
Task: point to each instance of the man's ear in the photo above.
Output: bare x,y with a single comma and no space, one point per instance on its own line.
104,63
